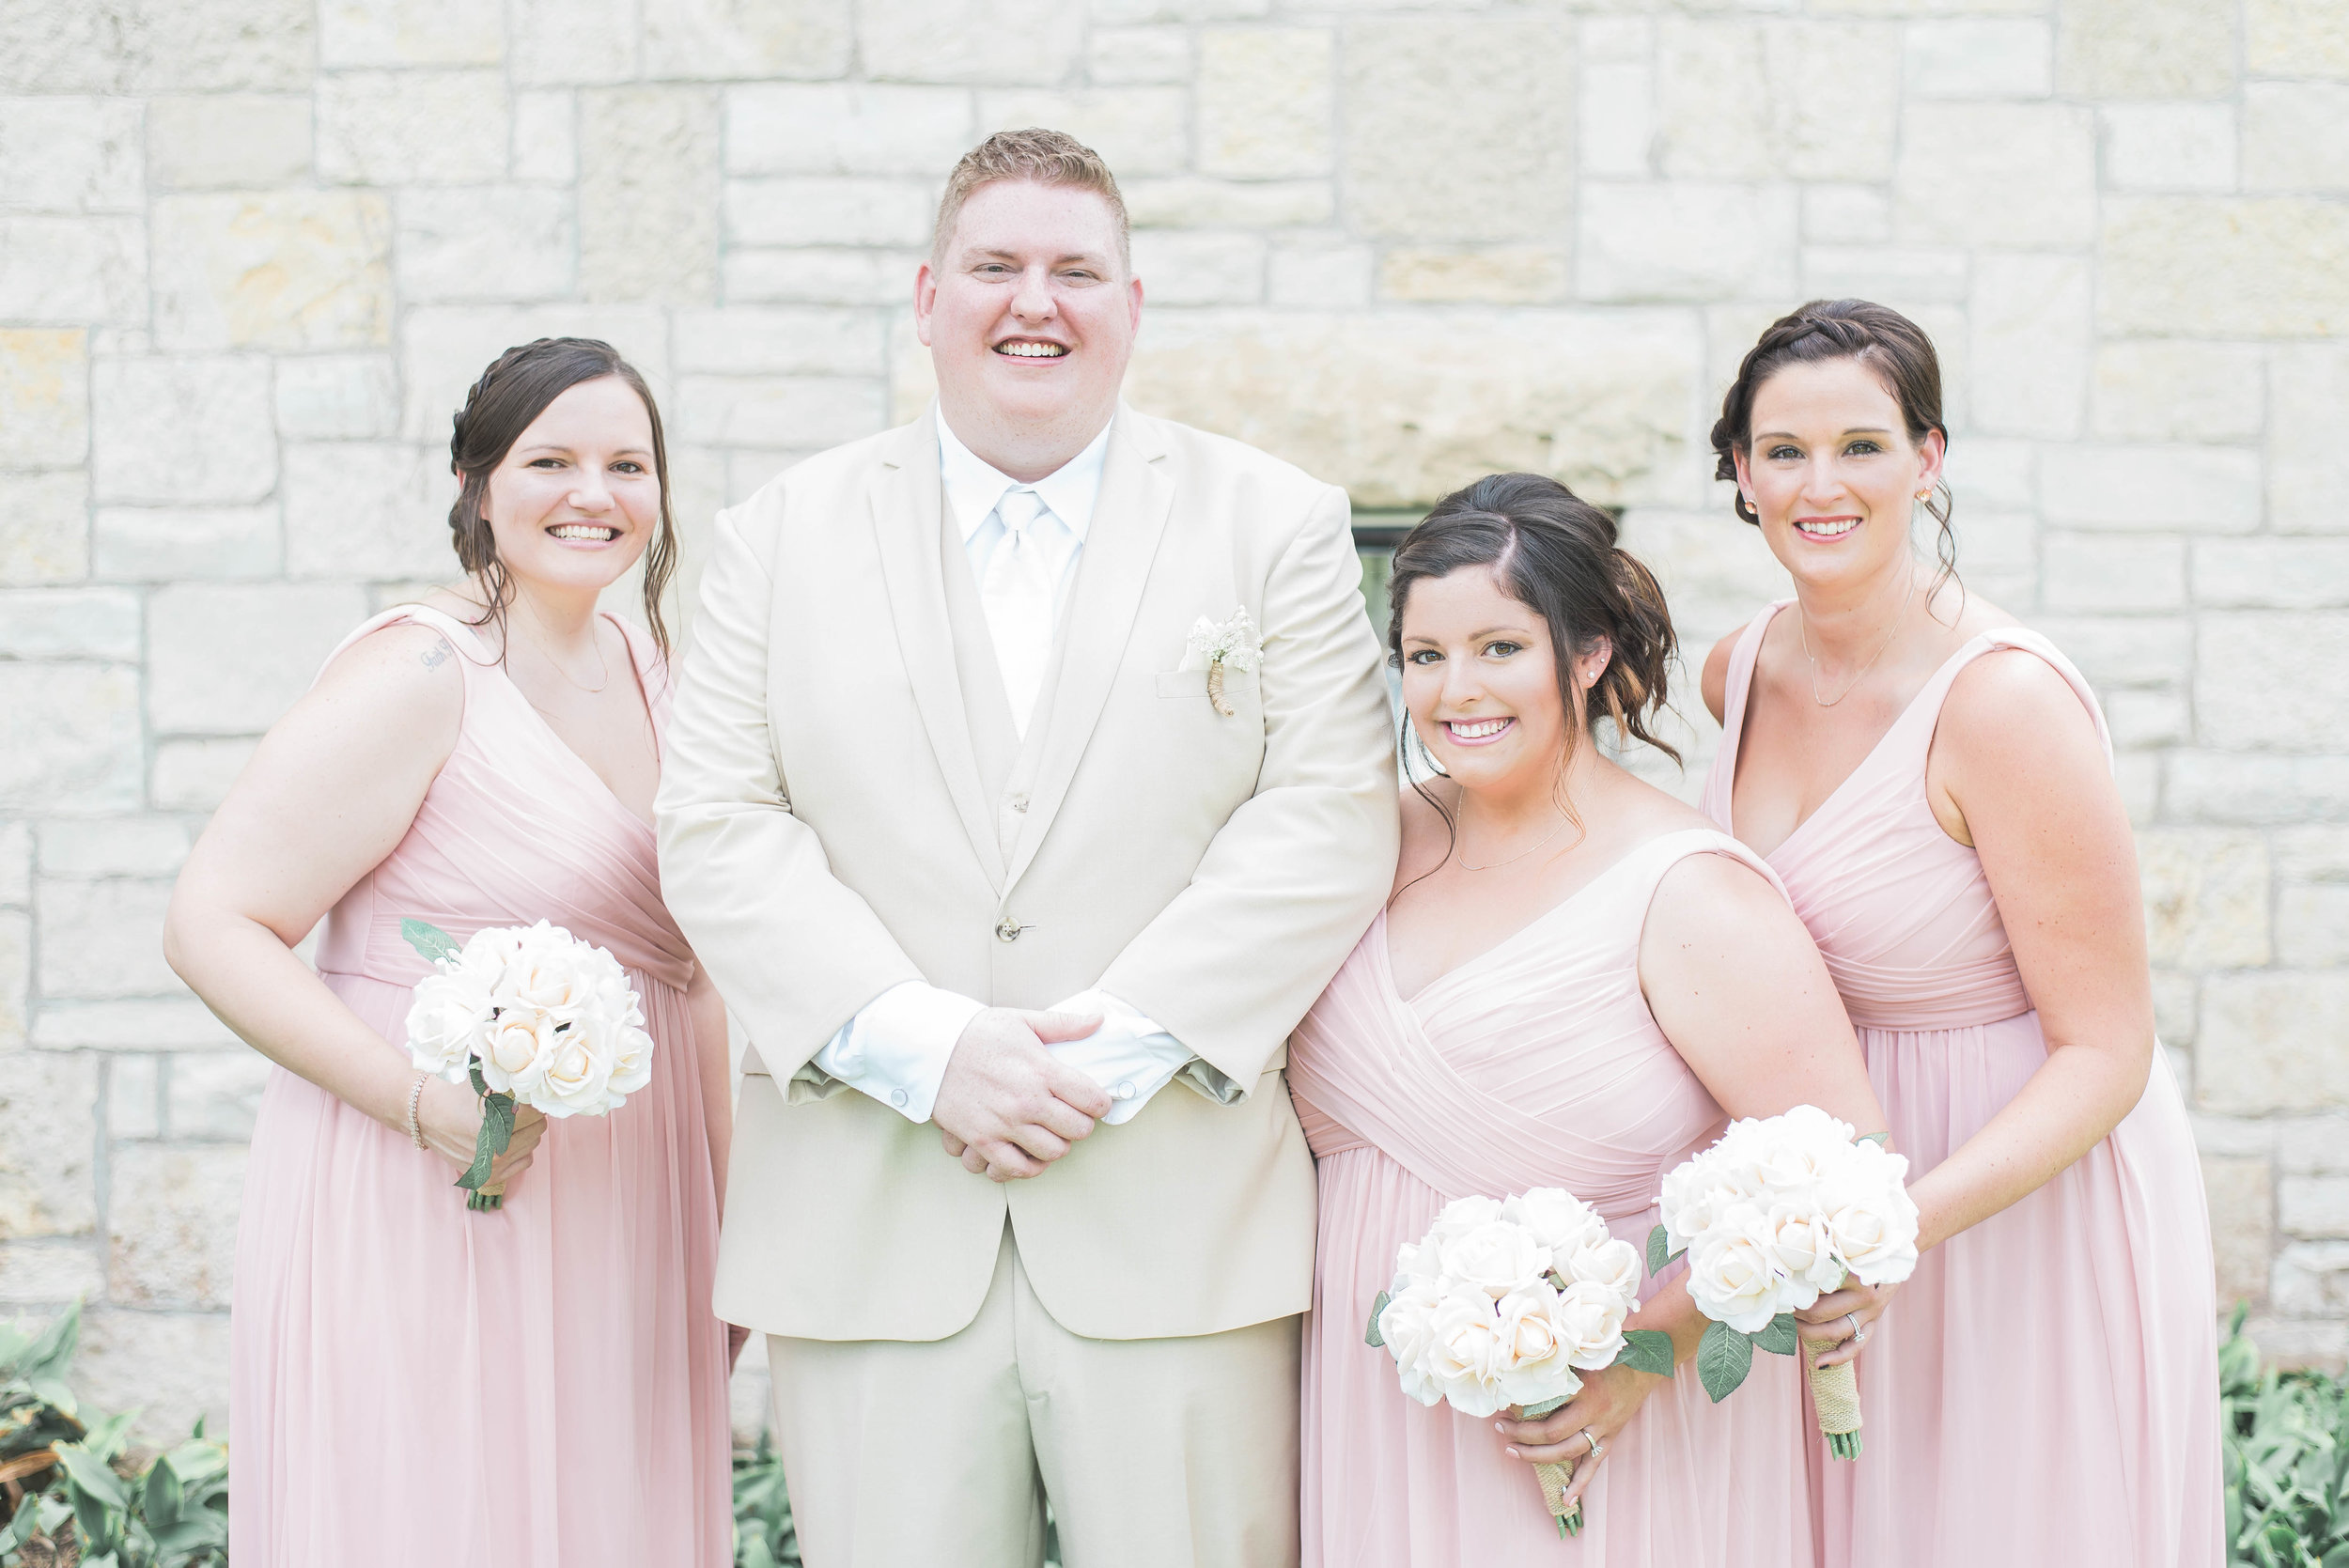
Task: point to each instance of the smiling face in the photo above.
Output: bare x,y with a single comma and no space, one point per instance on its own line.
577,499
1029,312
1832,472
1479,681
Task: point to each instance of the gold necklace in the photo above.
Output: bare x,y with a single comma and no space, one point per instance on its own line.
592,691
1495,865
1803,629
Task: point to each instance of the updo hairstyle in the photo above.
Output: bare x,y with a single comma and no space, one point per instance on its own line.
510,394
1892,346
1556,554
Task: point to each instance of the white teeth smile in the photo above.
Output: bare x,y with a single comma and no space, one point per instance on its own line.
1483,729
585,531
1031,351
1828,528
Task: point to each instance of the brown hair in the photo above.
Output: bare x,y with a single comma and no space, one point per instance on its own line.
1045,157
512,392
1890,345
1556,554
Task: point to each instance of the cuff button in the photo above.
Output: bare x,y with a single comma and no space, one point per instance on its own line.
1124,1091
898,1098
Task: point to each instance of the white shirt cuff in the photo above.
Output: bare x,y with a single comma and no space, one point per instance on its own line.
1128,1055
895,1048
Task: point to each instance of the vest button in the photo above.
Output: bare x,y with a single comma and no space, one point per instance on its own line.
1019,802
1009,930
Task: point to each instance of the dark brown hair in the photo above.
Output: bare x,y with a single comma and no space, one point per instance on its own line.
512,392
1892,346
1555,553
1046,157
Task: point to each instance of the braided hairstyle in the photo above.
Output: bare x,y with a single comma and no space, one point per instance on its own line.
1892,346
510,394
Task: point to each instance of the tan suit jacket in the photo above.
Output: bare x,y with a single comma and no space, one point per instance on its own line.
827,830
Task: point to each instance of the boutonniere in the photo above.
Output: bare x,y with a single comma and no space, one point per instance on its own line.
1217,645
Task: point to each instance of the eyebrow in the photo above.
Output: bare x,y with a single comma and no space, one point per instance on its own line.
1855,430
1487,631
557,446
997,255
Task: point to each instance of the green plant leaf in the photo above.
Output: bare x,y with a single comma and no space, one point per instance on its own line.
429,939
1723,1357
57,1396
51,1354
1660,1249
108,1437
1371,1336
20,1528
1546,1407
1777,1336
497,1131
1648,1350
1882,1139
163,1495
88,1473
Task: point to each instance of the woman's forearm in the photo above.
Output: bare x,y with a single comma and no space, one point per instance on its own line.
1671,1311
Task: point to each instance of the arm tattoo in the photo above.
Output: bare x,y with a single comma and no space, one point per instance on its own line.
434,654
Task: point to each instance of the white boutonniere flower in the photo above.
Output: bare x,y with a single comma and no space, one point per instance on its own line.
1214,645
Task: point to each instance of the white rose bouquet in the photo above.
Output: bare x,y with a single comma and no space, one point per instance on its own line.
528,1015
1502,1300
1778,1213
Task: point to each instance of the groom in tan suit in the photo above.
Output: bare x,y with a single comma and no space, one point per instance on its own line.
1030,775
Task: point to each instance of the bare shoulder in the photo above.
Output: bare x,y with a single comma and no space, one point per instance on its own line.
1714,892
1714,681
2008,704
407,676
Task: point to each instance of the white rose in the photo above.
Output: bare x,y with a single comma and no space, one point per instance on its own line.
632,1062
1589,1321
1407,1325
516,1050
1872,1218
447,1020
550,970
1732,1276
1695,1195
1614,1264
1466,1352
1495,1258
1537,1367
1559,1220
1803,1248
575,1076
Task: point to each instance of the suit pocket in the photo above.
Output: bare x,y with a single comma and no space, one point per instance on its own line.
1182,683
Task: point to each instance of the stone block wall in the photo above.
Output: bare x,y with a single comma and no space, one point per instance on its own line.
252,252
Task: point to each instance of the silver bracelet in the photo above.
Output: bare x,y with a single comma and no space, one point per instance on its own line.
415,1096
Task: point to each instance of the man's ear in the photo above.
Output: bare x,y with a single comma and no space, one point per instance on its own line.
925,301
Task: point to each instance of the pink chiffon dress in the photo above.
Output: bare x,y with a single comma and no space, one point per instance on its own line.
1537,1063
538,1386
2044,1387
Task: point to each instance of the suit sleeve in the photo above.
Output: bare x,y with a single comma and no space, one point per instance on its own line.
795,952
1288,885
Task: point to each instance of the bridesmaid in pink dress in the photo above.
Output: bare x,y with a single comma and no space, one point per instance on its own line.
1933,785
543,1386
1577,979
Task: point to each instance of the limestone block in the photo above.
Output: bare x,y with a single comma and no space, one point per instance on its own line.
1268,101
546,134
44,528
2314,1205
1189,201
2025,172
820,276
746,470
1980,57
1777,99
2176,997
184,429
1116,56
337,396
443,350
2145,48
2219,786
16,864
113,847
286,269
44,398
2241,1191
103,938
2137,720
2307,398
1401,406
73,270
16,977
739,341
2271,710
1320,274
1889,274
2312,924
649,194
2169,147
969,40
829,211
167,1366
377,33
2032,320
194,775
2111,572
805,413
1416,168
171,1223
48,1162
1849,215
48,1273
227,659
1137,130
2209,489
2152,390
1495,275
234,141
2296,136
155,544
2309,854
564,42
69,622
2271,1041
1682,240
146,1025
134,1098
71,155
2296,37
213,1095
1993,473
1715,571
70,737
368,511
406,127
2205,897
1181,267
486,242
145,46
2243,267
847,128
2280,573
709,39
1615,123
2310,1279
1123,13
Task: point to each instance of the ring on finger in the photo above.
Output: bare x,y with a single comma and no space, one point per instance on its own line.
1590,1437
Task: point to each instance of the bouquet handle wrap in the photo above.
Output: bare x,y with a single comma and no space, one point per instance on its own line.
1555,1476
1835,1393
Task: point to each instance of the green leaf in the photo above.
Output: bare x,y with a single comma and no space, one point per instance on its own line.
1371,1336
161,1505
1777,1336
429,939
1546,1407
53,1352
20,1529
1723,1357
1882,1139
108,1437
497,1131
1646,1350
88,1473
1660,1249
57,1396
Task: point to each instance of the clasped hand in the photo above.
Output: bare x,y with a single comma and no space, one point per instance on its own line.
1832,1328
1608,1401
1007,1108
449,1116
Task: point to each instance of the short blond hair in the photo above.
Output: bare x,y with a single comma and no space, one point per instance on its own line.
1046,157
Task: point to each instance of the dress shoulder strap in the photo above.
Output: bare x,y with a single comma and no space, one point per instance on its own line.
1660,854
2026,640
1742,659
471,650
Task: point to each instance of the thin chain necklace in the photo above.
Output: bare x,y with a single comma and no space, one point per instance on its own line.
1495,865
1803,629
548,654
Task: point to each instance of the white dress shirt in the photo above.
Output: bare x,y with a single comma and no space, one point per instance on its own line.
895,1048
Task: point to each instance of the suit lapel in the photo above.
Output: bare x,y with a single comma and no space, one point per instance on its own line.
907,528
1137,495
